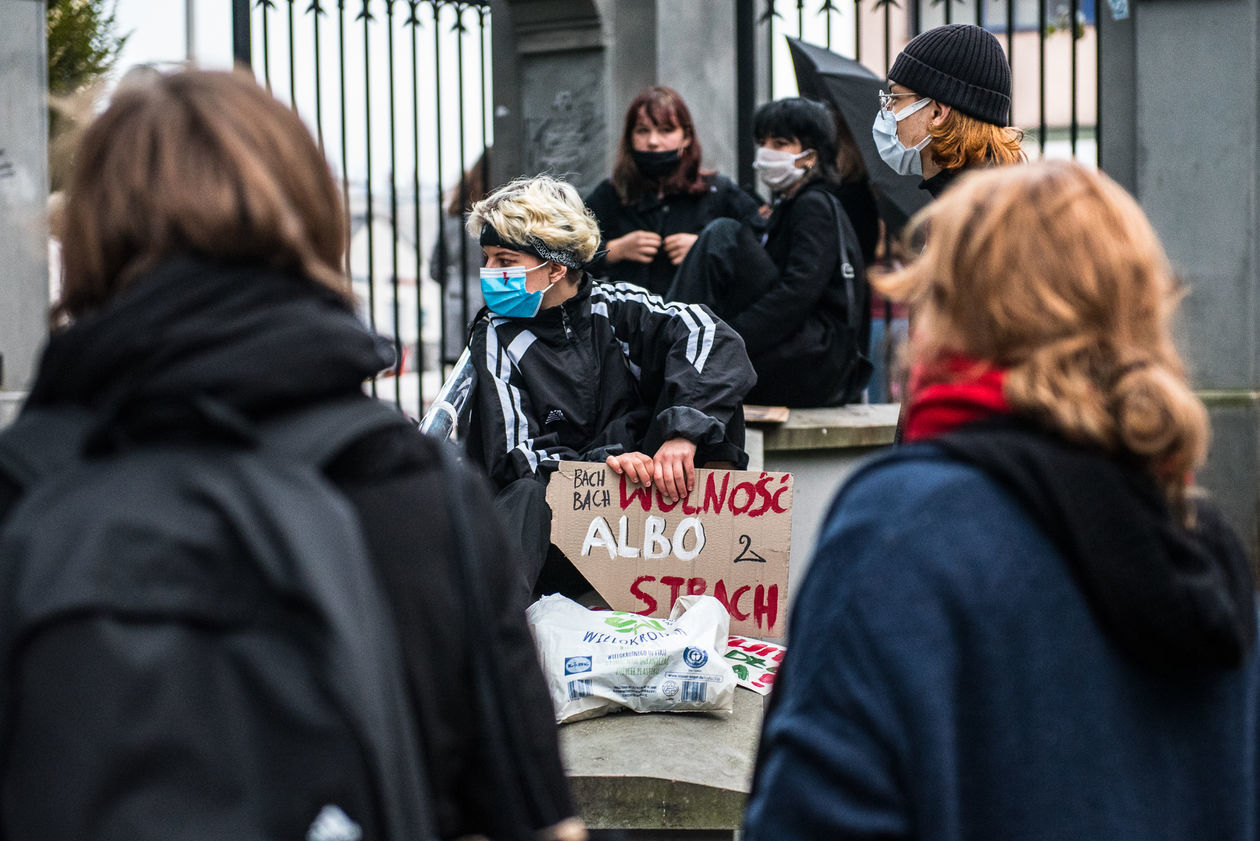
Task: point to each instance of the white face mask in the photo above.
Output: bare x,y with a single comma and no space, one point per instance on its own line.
778,170
904,161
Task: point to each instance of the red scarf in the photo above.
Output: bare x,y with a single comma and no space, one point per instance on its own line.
955,391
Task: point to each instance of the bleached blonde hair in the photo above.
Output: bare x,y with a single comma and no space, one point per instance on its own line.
540,207
1052,272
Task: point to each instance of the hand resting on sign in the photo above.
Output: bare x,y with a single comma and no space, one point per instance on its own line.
672,470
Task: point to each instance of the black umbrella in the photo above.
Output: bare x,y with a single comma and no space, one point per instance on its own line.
853,91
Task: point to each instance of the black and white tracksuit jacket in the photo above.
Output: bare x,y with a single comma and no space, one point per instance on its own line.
613,369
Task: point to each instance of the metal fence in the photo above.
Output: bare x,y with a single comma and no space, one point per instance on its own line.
397,94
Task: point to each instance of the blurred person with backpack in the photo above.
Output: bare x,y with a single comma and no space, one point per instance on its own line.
239,598
1025,622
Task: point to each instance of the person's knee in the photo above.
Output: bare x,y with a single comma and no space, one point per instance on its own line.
720,233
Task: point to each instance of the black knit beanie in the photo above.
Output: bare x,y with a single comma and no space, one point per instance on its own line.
960,65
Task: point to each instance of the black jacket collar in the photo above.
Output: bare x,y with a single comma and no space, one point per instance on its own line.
247,336
1172,597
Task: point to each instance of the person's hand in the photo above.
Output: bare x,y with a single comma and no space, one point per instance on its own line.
637,467
677,246
636,246
674,468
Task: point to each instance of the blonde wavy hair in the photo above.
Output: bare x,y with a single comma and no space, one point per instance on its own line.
1052,272
963,142
540,207
196,162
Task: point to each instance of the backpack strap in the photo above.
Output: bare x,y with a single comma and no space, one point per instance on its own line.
844,237
42,441
318,434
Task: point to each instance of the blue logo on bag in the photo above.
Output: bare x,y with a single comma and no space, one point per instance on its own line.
576,665
694,657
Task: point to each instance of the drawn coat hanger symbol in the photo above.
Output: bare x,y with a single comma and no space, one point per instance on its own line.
747,554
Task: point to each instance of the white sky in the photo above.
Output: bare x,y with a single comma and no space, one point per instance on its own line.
158,34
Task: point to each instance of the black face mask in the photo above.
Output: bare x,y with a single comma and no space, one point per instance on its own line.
657,164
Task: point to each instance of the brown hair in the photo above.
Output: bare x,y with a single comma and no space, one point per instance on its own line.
663,107
963,142
197,163
472,188
1052,272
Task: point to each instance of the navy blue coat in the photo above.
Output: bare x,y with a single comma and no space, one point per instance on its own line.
947,680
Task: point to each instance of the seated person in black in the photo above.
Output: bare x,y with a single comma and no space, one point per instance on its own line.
570,368
658,199
797,295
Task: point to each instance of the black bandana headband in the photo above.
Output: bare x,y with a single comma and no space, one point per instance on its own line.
535,246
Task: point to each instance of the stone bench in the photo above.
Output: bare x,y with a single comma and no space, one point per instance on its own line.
820,447
663,776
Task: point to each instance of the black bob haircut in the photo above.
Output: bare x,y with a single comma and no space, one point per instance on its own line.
804,120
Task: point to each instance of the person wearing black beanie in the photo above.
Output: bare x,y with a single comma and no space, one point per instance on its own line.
948,107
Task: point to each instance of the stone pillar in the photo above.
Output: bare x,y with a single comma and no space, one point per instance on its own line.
23,190
565,70
1181,130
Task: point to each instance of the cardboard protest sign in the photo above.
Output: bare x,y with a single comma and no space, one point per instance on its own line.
729,539
755,662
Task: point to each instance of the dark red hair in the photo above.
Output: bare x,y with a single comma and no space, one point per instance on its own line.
665,109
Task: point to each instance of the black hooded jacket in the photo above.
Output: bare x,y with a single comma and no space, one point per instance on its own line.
1171,597
260,341
799,331
674,214
613,369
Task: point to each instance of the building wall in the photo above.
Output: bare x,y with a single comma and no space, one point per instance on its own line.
1180,129
23,190
565,71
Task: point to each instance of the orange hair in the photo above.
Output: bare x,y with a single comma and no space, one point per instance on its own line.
197,163
1052,272
963,142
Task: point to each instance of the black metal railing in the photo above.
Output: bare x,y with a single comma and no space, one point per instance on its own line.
1054,93
397,94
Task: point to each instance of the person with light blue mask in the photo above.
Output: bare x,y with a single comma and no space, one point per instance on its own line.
568,368
945,111
947,107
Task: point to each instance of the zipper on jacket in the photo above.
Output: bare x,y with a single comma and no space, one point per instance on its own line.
564,319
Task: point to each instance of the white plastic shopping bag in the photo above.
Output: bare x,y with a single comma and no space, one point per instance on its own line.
597,660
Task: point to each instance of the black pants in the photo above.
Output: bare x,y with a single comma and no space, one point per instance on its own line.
523,509
727,269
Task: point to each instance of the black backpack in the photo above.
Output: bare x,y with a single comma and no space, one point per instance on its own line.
857,293
193,643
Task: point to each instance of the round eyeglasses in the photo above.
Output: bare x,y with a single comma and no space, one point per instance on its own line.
886,99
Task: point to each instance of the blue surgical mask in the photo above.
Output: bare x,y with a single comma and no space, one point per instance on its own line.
505,292
903,161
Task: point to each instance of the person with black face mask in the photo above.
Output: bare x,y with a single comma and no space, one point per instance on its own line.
658,199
